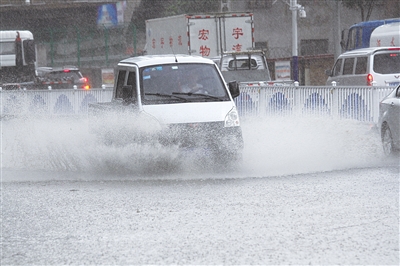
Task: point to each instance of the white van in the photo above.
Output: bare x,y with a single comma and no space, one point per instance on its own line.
172,100
378,66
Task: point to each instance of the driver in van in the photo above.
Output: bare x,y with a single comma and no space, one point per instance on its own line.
191,84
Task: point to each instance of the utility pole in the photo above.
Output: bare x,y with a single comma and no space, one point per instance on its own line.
295,62
337,31
294,7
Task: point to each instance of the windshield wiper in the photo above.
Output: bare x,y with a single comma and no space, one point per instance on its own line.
166,95
199,94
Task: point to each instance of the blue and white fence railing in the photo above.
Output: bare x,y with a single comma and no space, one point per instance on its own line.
50,102
359,103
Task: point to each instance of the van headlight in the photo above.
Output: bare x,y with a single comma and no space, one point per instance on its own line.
232,119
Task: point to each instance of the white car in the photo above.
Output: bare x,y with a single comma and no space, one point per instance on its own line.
378,66
389,122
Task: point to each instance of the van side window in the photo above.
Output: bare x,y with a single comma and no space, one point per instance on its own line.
361,65
348,66
337,67
132,81
120,84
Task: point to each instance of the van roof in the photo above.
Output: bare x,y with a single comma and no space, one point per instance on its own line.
369,50
148,60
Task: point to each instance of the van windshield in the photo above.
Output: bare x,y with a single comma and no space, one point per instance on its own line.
387,63
191,82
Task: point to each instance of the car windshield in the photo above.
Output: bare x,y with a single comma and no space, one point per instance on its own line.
186,80
387,63
63,75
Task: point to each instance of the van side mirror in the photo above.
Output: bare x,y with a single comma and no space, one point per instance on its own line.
234,88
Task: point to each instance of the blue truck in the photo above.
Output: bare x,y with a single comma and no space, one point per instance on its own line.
359,34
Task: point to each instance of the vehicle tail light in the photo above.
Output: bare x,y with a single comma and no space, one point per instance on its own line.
370,79
66,70
86,85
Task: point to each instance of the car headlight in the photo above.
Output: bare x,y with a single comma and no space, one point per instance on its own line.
232,119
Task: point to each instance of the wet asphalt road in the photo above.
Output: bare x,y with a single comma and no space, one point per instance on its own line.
339,217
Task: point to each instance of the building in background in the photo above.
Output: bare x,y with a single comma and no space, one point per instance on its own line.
92,35
318,33
95,34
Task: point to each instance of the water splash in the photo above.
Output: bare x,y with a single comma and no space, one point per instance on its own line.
273,146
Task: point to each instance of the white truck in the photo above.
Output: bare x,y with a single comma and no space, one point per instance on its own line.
359,35
17,57
226,38
18,66
250,68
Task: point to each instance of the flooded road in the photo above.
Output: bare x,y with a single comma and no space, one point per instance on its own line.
309,191
339,217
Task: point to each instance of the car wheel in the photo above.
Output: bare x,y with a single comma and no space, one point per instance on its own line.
387,141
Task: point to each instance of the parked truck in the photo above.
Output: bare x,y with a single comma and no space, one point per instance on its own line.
17,57
19,71
247,67
226,38
386,35
359,35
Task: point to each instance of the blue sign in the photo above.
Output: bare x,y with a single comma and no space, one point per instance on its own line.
107,15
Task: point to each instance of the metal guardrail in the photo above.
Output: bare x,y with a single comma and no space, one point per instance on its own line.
350,102
360,103
50,102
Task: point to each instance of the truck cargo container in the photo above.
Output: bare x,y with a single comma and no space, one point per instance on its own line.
386,35
207,35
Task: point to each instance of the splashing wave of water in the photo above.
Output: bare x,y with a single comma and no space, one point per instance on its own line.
273,146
